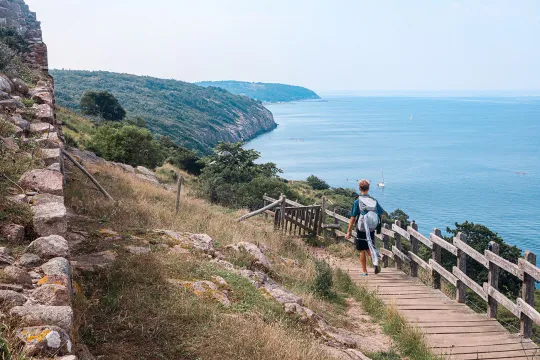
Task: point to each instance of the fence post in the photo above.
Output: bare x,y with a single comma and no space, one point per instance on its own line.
323,216
493,280
264,205
180,181
436,256
398,245
386,245
527,294
414,248
461,265
283,205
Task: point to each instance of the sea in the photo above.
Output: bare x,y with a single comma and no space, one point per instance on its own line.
445,159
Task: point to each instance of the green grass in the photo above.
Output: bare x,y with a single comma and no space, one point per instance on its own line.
75,127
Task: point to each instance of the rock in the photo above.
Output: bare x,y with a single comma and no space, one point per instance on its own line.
260,259
5,251
17,120
50,156
204,289
44,341
83,353
356,354
6,85
13,233
178,249
137,250
74,239
86,156
306,315
17,276
36,315
41,199
56,280
151,179
257,278
40,128
67,357
17,288
19,86
10,298
108,232
221,283
46,181
225,264
9,144
145,171
3,95
49,247
44,113
29,260
55,167
51,294
91,262
56,266
128,168
11,105
50,218
50,141
17,199
279,294
42,96
5,260
202,241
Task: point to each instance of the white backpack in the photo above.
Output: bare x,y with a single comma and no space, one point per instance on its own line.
368,222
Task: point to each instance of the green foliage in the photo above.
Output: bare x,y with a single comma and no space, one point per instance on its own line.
264,91
323,282
127,144
13,39
317,183
28,102
12,46
181,157
193,116
102,104
397,214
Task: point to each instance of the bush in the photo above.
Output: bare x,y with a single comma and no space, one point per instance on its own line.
102,104
317,183
323,282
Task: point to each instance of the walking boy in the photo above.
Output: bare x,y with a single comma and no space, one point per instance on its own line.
366,214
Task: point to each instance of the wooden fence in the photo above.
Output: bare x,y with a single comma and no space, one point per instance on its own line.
317,220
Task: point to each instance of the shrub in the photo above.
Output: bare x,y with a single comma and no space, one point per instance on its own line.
102,104
70,140
323,282
28,102
317,183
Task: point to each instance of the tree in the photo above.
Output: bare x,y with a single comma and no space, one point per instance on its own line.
317,183
397,214
102,104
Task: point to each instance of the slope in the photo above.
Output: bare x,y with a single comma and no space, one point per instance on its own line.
191,115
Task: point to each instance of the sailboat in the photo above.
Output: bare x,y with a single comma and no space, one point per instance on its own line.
381,184
410,117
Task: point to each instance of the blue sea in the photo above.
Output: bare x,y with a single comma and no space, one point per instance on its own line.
445,159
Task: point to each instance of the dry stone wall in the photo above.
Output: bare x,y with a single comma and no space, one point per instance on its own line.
36,285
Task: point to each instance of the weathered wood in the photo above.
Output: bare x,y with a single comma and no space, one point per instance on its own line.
387,253
323,216
529,268
415,246
397,229
277,216
504,264
72,159
498,297
283,205
265,202
397,240
419,261
256,212
470,283
528,312
461,245
436,256
386,246
386,231
178,191
493,282
437,239
337,216
331,226
400,255
443,272
424,240
527,297
462,267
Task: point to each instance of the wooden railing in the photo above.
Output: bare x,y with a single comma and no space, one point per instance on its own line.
315,219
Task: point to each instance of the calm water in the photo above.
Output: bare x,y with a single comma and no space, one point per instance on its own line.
456,159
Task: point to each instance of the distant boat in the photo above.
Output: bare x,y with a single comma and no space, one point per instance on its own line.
381,184
410,117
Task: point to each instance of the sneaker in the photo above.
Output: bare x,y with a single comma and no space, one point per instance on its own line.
364,274
377,269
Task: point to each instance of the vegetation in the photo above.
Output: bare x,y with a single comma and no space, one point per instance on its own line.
12,47
264,91
317,183
102,104
192,116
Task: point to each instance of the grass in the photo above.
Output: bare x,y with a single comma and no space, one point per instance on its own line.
77,128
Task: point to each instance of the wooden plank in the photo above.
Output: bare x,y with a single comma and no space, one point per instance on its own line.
387,252
528,310
527,297
418,260
415,247
401,232
481,259
337,216
529,268
462,266
473,329
493,281
443,272
424,240
443,243
436,252
388,232
501,299
400,255
504,264
471,284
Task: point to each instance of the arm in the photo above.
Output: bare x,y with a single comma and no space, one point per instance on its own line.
349,229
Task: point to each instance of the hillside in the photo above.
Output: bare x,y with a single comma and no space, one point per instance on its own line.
264,91
193,116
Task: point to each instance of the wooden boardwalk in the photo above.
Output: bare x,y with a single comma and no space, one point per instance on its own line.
453,329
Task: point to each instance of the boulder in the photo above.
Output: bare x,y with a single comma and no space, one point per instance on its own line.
205,290
40,128
17,288
57,279
55,167
150,179
50,141
137,250
6,85
51,294
13,233
45,181
145,171
17,120
202,241
5,260
305,315
44,113
92,262
50,156
128,168
41,199
45,341
17,276
50,219
29,260
3,95
10,105
56,266
279,294
10,298
37,315
49,247
8,144
19,86
224,264
261,261
42,96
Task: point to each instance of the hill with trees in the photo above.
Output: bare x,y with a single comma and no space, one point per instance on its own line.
266,92
191,115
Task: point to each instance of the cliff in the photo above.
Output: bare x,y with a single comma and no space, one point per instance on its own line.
193,116
266,92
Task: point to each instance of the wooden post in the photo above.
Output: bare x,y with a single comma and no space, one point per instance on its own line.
527,294
180,181
493,281
414,248
386,245
323,217
398,245
436,256
282,217
461,265
264,205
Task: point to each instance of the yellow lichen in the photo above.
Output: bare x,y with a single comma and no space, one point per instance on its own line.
43,280
39,337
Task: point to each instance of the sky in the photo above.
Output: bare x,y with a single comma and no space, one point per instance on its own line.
326,45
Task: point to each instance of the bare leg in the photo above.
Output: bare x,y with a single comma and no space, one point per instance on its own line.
363,260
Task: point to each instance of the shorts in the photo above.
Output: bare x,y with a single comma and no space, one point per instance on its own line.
360,242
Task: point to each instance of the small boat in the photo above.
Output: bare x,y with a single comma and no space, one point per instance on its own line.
410,117
381,184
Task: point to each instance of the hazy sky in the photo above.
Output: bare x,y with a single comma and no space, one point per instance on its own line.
322,44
